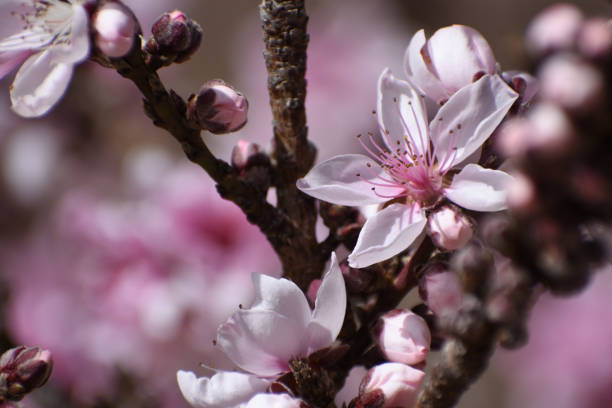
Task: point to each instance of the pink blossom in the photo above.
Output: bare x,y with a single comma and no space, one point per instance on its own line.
398,384
403,337
413,168
452,58
280,326
225,389
51,37
114,29
440,289
449,229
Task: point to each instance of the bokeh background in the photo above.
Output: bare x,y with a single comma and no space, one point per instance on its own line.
118,256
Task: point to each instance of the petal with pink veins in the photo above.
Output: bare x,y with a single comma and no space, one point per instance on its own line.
469,117
401,114
387,233
479,189
347,180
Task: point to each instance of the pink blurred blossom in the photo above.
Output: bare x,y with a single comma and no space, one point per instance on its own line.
136,282
565,364
403,336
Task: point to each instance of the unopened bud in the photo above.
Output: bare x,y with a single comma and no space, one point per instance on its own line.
440,289
521,193
218,108
554,29
595,38
246,154
403,336
552,132
389,385
23,369
115,29
449,228
523,83
174,33
572,83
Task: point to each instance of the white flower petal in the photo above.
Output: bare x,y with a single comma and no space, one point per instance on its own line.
330,305
402,114
39,84
283,297
386,234
262,341
273,401
456,53
418,71
9,60
77,49
479,189
225,389
469,117
336,181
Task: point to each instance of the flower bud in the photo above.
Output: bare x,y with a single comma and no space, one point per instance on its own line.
554,29
572,83
403,336
449,228
552,132
23,369
523,83
246,154
115,29
440,289
218,108
175,33
389,385
595,38
521,193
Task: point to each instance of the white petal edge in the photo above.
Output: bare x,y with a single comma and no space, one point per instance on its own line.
457,53
336,181
469,117
39,85
418,72
386,234
224,389
282,296
479,189
401,114
330,304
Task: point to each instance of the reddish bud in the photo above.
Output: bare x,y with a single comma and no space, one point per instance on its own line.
23,369
174,33
218,108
